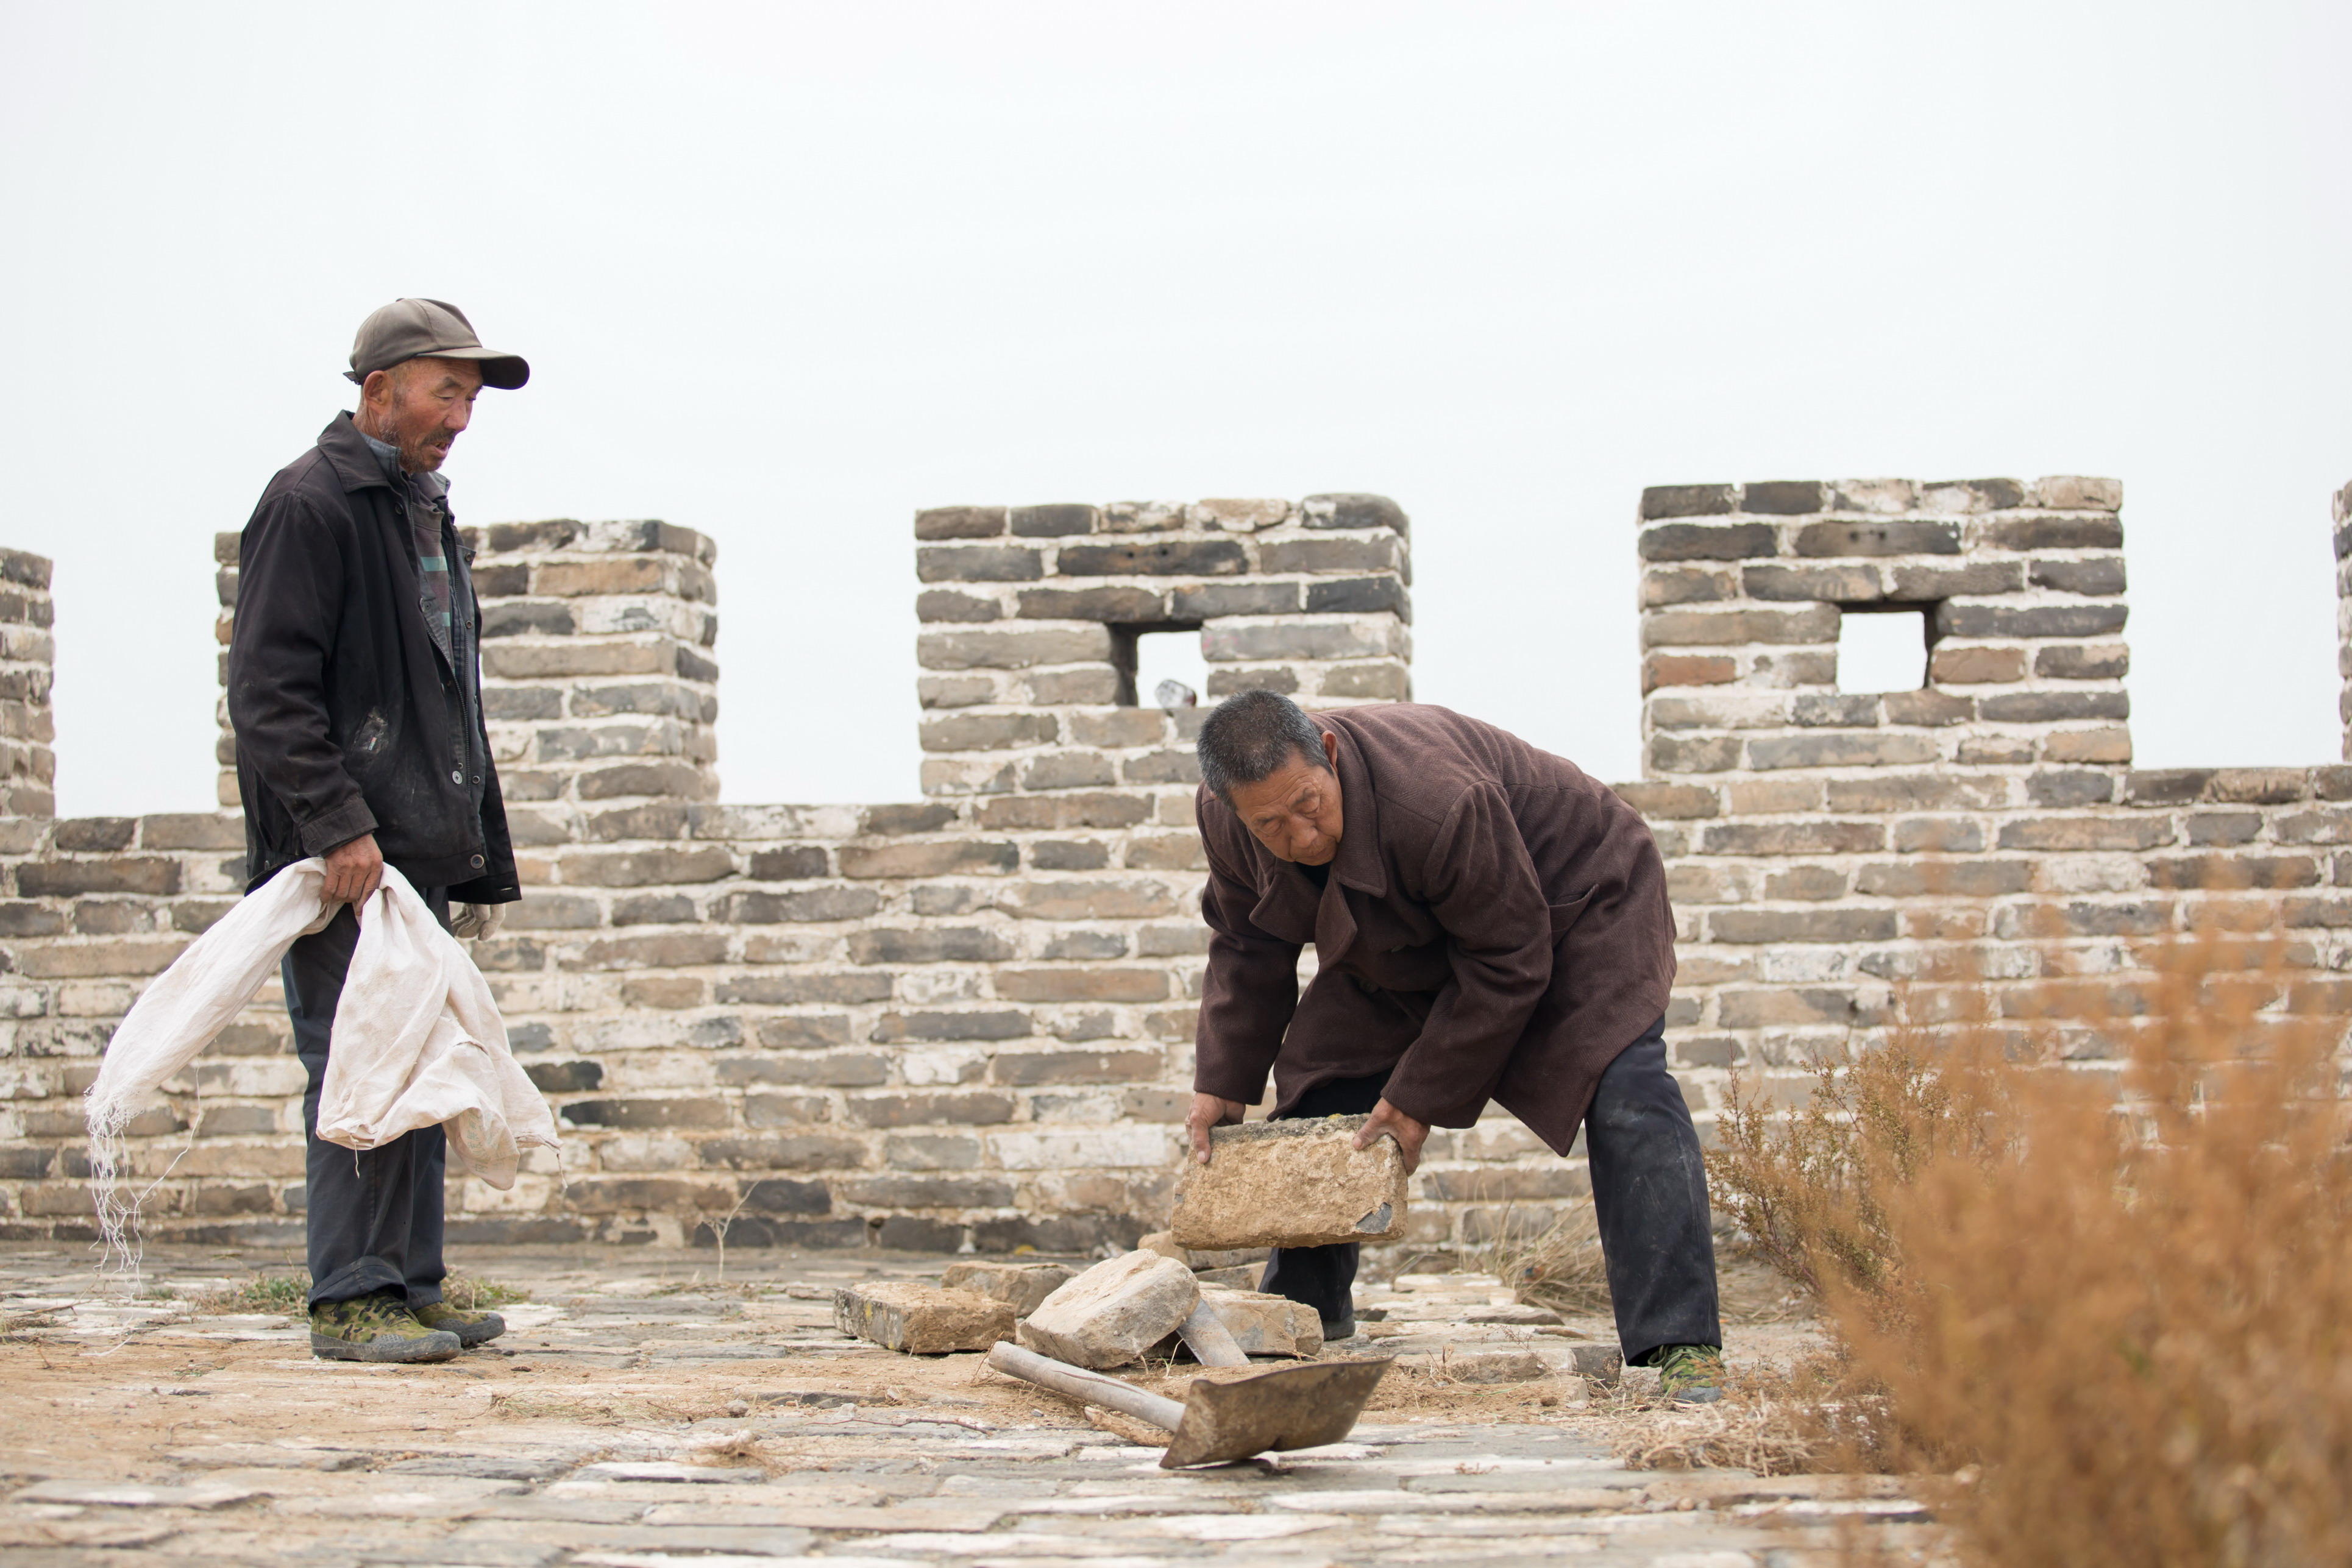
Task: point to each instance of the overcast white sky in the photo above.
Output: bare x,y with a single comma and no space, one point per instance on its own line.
786,273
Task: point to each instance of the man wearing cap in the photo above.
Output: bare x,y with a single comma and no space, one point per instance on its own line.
356,694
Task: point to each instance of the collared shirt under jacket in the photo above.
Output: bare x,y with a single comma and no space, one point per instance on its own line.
1495,926
350,716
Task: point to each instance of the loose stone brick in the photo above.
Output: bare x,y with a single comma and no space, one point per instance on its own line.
1112,1313
919,1318
1023,1287
1292,1182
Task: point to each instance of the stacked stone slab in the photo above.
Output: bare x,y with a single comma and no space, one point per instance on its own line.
966,1020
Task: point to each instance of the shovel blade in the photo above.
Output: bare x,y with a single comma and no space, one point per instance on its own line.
1289,1408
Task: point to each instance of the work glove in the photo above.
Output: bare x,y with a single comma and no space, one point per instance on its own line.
477,921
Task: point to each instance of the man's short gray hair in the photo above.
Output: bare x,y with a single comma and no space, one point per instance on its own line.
1253,737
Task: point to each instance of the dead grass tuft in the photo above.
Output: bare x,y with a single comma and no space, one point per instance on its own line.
1560,1268
289,1294
2115,1297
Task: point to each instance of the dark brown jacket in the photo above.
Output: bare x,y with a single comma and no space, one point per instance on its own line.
1495,926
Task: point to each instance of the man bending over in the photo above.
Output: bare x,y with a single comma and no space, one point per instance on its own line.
1489,924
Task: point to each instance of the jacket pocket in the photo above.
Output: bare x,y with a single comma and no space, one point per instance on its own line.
1564,916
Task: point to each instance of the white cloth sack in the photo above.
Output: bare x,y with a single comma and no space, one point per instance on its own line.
418,1041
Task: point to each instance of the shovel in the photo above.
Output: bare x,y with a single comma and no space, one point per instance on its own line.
1300,1406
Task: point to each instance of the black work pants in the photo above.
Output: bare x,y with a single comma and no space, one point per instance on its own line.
1649,1195
374,1215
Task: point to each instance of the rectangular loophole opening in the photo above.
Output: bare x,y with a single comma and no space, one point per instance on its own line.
1882,650
1165,654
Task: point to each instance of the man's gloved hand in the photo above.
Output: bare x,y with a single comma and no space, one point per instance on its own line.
1208,1111
1387,1121
477,922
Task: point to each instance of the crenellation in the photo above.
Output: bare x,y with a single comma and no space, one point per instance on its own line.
966,1020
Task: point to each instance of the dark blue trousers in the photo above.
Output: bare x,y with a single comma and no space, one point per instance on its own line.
1649,1194
374,1215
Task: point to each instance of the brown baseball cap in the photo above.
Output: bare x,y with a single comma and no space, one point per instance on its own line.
415,328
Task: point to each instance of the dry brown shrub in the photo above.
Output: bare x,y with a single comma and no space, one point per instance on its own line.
1558,1268
2118,1305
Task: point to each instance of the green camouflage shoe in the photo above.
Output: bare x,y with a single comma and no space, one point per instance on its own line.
376,1327
1690,1374
471,1328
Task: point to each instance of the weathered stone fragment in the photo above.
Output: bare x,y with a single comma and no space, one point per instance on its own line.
1021,1286
1266,1325
1292,1182
1112,1313
921,1319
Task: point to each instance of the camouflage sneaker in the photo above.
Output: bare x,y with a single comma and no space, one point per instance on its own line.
376,1327
471,1328
1690,1374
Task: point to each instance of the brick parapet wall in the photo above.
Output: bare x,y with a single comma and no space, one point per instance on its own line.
966,1020
28,769
1828,849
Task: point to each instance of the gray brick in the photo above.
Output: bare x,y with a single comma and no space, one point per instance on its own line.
788,988
1331,557
979,563
2097,662
931,1108
1054,521
1841,750
1703,541
988,731
937,604
808,903
795,863
1205,601
1731,628
1160,558
2053,533
2045,707
1747,925
1894,535
927,1192
929,944
1012,647
1833,584
636,1115
1359,595
1783,498
2100,575
800,1031
959,523
820,1070
1791,838
2035,621
1117,604
1350,509
1687,500
900,1028
152,874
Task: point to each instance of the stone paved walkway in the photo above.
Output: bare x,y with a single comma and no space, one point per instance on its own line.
640,1413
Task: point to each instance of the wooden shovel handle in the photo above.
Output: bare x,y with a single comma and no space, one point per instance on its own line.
1091,1387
